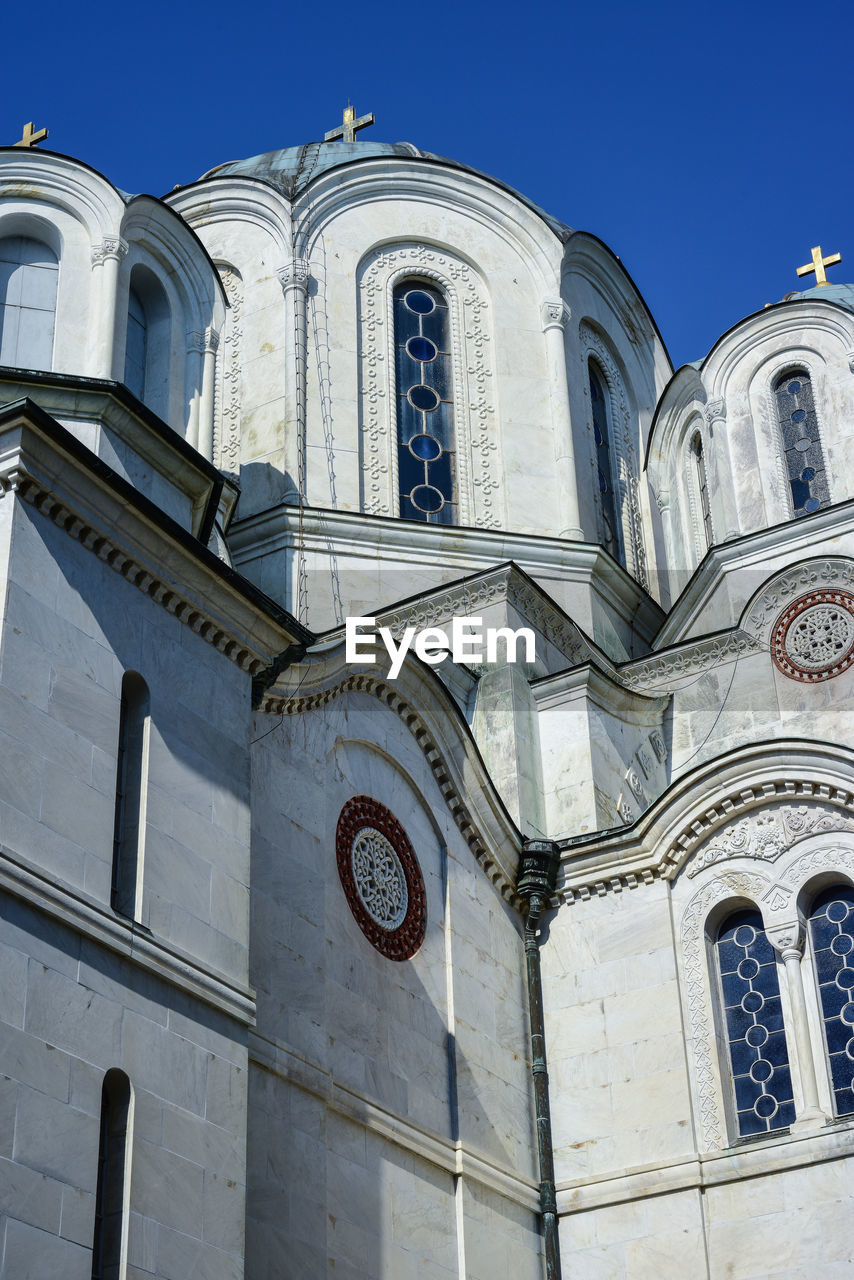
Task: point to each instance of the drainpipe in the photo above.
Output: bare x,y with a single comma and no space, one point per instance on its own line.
538,864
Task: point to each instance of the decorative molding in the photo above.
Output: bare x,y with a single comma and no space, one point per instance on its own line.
16,479
658,745
849,356
366,682
786,586
110,247
624,450
698,996
768,833
228,383
476,421
687,660
555,314
295,274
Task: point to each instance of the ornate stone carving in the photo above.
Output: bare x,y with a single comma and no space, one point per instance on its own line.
624,452
227,408
295,274
715,412
381,878
813,639
700,1017
658,745
478,460
687,660
110,247
814,575
555,314
768,832
635,786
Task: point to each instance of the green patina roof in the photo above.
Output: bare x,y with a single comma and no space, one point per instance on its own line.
292,169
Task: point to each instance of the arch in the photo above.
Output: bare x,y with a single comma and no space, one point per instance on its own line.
476,420
131,796
601,411
112,1195
698,492
799,441
148,344
29,274
624,469
831,938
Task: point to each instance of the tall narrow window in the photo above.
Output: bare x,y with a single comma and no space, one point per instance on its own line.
109,1247
135,346
131,788
832,939
426,448
758,1055
28,276
702,487
604,467
801,443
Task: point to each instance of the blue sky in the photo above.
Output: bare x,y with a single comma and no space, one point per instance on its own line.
708,145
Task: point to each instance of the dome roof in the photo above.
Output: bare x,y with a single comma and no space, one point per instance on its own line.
841,294
292,169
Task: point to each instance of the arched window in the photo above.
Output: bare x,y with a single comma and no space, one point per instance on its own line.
832,942
135,346
702,484
756,1041
608,501
148,341
426,448
131,789
29,271
109,1247
801,442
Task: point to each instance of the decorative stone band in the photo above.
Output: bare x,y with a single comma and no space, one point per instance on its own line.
364,682
381,878
37,495
687,660
813,639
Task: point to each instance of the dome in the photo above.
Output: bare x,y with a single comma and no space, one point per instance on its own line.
292,169
841,294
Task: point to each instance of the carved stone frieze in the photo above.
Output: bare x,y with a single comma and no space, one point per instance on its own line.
787,586
228,390
478,454
662,669
767,833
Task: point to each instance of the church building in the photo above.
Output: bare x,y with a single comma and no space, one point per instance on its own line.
426,803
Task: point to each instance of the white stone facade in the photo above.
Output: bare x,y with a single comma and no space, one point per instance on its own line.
329,1071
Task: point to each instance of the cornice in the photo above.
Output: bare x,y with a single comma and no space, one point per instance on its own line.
45,466
136,945
664,838
428,710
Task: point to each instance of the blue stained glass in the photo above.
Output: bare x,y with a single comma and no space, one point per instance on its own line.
801,443
425,422
759,1062
832,939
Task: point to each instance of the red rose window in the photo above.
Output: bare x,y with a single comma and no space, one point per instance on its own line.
381,878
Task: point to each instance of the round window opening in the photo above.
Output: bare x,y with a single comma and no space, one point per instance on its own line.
813,639
381,878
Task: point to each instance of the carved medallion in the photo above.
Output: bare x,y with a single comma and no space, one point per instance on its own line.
381,877
813,639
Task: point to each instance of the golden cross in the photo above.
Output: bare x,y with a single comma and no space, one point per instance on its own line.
347,131
818,264
31,139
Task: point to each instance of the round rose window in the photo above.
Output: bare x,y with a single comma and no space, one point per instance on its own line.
381,878
813,639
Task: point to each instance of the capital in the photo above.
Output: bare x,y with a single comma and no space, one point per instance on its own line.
715,412
110,247
195,342
787,938
555,314
295,274
211,339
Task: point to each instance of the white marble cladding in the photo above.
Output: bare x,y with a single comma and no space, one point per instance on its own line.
428,1053
70,1011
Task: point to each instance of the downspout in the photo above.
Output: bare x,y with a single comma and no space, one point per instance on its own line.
538,864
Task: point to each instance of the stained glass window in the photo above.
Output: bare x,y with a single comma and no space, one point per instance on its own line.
702,487
604,470
832,939
801,443
28,277
759,1057
426,447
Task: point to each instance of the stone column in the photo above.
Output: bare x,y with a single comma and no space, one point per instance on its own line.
107,258
555,314
206,402
193,377
788,940
295,278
